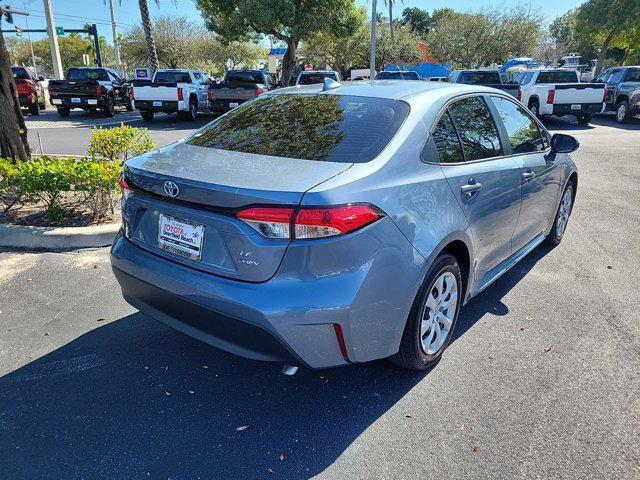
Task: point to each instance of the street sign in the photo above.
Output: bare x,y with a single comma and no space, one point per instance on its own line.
142,72
59,31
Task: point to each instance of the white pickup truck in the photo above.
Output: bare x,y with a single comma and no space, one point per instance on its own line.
560,92
172,90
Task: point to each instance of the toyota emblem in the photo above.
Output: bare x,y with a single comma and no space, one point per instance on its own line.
171,189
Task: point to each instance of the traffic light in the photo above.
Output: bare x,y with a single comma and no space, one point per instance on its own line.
7,13
18,31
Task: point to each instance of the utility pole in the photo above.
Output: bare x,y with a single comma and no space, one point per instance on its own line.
33,57
116,42
53,41
372,61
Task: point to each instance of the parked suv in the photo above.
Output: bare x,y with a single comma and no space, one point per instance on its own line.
323,225
623,86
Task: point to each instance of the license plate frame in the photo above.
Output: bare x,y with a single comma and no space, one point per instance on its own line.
181,237
576,106
233,104
157,103
75,100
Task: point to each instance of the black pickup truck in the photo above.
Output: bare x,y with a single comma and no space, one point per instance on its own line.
623,91
89,88
486,78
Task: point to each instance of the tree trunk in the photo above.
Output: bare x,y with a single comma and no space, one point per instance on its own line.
289,61
148,35
13,131
602,56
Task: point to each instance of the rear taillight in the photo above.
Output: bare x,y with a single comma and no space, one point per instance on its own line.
180,95
133,97
606,94
309,222
550,96
98,91
209,95
259,91
519,95
124,186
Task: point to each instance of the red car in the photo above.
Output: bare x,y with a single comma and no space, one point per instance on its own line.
30,91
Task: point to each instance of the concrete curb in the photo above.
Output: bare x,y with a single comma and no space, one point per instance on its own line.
57,238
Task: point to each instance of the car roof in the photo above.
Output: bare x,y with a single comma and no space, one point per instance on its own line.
317,71
390,89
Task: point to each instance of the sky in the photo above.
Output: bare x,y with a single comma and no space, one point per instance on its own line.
75,13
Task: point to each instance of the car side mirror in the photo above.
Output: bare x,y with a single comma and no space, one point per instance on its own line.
561,143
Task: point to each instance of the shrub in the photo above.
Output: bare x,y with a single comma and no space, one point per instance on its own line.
45,180
10,193
119,143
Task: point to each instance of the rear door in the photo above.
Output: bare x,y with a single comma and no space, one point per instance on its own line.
540,175
486,184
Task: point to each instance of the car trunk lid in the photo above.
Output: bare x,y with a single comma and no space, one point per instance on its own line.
211,185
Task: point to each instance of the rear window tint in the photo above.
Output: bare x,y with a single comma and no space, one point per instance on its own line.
75,74
330,128
311,78
171,77
568,76
243,77
633,75
398,76
446,141
477,78
19,73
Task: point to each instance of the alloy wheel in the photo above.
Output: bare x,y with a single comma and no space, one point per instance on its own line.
563,212
621,113
438,313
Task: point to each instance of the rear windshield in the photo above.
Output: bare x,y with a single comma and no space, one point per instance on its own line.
398,76
331,128
172,77
568,76
243,77
478,78
76,74
309,78
19,73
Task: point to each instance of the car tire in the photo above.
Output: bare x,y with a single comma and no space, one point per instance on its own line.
534,107
129,106
623,114
562,217
191,114
584,118
147,115
423,343
43,105
108,109
34,109
64,111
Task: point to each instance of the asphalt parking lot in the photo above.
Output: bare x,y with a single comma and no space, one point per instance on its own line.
542,379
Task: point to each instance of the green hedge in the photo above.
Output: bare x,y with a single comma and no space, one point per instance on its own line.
46,179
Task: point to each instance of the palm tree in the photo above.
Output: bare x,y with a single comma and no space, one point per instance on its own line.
148,35
389,3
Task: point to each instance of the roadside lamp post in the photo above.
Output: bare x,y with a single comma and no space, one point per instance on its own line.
372,61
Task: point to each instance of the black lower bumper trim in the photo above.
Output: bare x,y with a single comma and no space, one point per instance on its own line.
241,338
584,109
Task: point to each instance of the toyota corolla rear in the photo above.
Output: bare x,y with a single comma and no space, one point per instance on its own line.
218,243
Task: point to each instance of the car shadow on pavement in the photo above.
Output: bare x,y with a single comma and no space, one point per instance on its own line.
134,398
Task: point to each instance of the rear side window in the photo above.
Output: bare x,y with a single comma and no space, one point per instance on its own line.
559,76
19,73
476,128
172,77
522,130
633,75
446,140
332,128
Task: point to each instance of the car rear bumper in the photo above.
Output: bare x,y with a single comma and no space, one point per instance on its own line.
148,105
585,108
225,105
290,317
82,103
26,100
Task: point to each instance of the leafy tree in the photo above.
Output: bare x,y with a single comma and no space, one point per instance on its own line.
473,39
604,20
418,19
289,21
182,43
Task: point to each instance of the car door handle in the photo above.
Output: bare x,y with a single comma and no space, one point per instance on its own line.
471,188
526,176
